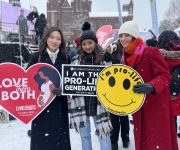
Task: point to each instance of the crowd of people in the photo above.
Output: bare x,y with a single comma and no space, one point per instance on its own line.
155,123
39,25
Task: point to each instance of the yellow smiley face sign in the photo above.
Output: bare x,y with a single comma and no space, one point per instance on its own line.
114,89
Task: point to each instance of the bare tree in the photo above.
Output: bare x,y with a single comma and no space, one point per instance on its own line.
173,13
165,25
76,23
73,25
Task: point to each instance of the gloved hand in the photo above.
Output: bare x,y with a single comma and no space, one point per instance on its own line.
57,91
143,88
107,57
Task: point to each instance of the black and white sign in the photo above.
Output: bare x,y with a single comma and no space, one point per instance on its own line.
80,79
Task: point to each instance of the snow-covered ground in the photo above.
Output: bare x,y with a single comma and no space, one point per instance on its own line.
13,136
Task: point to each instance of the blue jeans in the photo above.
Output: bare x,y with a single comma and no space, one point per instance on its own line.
105,143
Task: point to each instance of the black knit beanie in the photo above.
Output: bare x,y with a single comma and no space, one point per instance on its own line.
87,33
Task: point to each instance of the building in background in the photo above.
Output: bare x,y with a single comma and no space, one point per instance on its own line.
70,16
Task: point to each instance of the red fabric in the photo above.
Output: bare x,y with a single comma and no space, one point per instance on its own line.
130,48
77,41
154,125
176,106
135,48
172,64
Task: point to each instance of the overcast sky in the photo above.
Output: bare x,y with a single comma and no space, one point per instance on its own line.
142,12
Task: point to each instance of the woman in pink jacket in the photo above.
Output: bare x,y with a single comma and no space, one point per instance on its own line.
154,126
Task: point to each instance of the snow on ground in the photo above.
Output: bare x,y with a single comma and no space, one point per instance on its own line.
13,136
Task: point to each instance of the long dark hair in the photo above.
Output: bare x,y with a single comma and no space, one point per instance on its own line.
43,42
164,39
51,73
119,50
97,54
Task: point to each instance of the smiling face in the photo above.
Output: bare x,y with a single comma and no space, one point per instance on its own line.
54,41
107,49
125,39
88,46
114,89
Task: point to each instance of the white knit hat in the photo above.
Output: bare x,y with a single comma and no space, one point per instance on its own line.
129,27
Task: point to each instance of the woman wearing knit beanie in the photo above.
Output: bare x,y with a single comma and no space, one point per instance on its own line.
154,126
84,107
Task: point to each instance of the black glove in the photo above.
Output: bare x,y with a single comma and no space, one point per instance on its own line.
57,91
143,88
107,57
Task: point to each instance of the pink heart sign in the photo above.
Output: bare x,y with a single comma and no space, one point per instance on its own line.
106,35
26,93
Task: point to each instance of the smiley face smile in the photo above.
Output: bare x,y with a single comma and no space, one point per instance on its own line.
116,104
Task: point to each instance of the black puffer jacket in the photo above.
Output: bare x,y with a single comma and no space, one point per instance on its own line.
40,24
115,58
90,101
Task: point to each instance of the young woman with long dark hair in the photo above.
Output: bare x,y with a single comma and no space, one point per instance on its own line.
84,107
50,129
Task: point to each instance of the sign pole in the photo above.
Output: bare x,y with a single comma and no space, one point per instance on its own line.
155,27
119,12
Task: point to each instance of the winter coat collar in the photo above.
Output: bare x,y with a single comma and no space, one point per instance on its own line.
170,54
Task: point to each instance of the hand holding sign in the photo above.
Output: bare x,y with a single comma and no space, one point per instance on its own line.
57,91
143,88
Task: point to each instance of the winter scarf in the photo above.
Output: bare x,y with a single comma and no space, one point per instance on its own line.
78,114
133,52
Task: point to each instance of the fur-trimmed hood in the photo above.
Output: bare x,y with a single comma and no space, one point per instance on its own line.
170,54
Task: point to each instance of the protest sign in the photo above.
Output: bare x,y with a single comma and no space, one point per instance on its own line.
25,94
80,79
114,89
106,35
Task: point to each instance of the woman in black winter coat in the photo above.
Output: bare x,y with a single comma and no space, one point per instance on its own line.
50,129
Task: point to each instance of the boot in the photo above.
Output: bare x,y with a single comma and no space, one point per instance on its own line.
125,143
114,146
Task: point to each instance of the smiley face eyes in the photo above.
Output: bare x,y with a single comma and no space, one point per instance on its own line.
126,84
112,81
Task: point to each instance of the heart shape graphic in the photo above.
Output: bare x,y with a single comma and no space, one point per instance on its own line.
26,93
106,35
